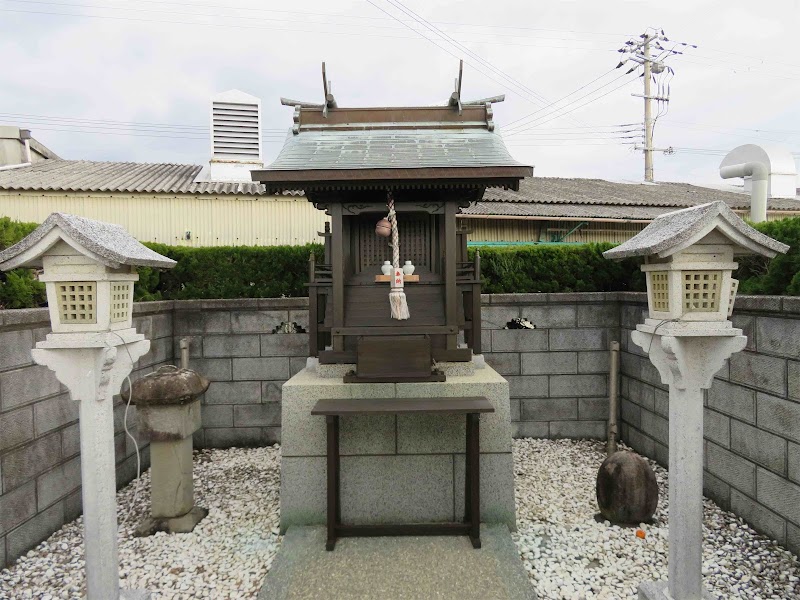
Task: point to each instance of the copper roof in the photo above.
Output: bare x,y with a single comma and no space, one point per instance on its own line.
379,146
121,177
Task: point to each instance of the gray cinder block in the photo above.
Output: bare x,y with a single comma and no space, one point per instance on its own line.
717,428
17,506
15,348
579,339
767,373
257,415
519,340
30,533
732,469
528,386
549,409
219,346
260,369
27,462
578,385
779,416
233,392
759,446
778,336
779,495
549,363
758,516
257,321
733,400
17,427
21,386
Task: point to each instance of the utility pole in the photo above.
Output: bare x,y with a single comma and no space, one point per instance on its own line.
654,70
648,113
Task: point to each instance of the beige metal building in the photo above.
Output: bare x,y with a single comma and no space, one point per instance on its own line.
159,203
555,210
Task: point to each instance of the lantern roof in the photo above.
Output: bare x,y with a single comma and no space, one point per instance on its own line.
675,231
106,243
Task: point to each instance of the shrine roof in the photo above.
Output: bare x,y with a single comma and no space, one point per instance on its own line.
392,146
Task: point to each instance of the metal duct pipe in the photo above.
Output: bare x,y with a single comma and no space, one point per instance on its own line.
613,397
759,179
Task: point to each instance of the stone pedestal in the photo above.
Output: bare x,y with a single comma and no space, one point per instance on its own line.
93,366
169,429
394,469
687,356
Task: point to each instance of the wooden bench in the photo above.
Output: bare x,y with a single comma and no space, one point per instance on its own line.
471,406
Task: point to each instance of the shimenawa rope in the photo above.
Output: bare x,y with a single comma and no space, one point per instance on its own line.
397,297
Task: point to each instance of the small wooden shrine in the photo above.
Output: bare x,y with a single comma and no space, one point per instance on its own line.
427,163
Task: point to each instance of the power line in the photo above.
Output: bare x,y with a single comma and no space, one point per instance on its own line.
415,16
239,26
250,10
449,52
48,119
535,125
532,123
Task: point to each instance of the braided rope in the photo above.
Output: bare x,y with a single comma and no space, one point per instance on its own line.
395,234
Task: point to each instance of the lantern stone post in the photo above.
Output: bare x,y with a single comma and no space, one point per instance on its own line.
689,261
89,269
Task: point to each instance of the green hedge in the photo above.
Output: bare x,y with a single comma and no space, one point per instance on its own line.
18,288
778,276
228,272
546,268
281,271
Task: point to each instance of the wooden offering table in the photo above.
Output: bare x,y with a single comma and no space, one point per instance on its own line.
472,406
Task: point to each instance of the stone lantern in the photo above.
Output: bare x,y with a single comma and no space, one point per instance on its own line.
689,259
89,268
168,403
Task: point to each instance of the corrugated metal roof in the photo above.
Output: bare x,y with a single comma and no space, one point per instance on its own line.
392,149
121,177
556,211
554,190
552,197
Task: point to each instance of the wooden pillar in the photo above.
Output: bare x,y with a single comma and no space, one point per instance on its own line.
337,264
450,266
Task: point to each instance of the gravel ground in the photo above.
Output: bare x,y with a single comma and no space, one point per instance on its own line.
569,555
225,557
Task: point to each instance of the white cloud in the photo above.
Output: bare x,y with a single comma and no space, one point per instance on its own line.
130,68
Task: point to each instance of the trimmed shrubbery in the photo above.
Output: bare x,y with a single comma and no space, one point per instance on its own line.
275,271
18,288
579,268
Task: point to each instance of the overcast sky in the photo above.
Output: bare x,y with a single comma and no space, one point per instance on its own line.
131,80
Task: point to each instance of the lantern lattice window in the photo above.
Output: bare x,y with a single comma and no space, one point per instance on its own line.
120,301
77,301
660,290
734,289
701,291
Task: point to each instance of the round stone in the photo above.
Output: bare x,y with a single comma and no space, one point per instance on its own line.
627,491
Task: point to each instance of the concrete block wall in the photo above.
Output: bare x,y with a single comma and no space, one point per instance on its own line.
40,471
232,342
558,372
751,416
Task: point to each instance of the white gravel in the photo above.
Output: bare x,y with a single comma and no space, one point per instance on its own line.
569,555
225,557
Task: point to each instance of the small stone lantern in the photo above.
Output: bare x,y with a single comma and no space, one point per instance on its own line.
168,406
89,268
689,259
